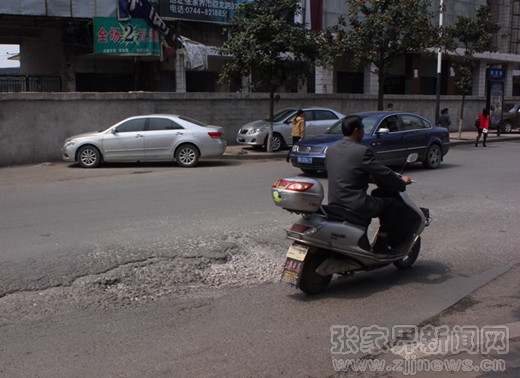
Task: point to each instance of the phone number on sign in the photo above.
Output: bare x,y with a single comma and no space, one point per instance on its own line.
210,12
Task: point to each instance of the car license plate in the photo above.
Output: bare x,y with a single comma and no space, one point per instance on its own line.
305,160
293,267
240,139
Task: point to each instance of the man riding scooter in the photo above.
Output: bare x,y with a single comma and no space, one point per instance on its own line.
350,168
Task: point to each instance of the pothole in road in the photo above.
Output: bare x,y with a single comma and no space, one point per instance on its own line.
227,266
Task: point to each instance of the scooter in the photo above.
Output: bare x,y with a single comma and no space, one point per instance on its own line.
324,244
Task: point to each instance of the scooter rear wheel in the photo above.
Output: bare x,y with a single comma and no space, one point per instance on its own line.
407,261
310,281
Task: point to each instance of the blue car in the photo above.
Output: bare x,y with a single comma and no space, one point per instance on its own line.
391,135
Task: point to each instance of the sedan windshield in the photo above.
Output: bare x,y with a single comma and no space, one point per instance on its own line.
281,115
368,123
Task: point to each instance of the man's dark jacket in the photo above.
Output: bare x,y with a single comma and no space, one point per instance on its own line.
349,167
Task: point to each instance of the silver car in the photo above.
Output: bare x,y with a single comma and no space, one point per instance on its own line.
157,137
317,121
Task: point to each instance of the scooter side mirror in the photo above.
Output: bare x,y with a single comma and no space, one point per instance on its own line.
412,158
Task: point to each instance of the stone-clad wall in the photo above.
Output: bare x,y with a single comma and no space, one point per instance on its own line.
33,126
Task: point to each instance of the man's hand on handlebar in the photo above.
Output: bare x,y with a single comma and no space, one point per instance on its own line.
406,179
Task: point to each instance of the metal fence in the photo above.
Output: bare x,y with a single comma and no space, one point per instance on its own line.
19,83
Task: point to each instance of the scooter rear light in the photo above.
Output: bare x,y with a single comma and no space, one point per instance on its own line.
296,186
306,230
299,228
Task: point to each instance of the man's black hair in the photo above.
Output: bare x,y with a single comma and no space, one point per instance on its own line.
349,124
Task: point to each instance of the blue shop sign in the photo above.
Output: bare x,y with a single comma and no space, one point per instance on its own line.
496,74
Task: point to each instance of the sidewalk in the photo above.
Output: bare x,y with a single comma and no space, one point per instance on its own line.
468,137
495,304
240,152
488,346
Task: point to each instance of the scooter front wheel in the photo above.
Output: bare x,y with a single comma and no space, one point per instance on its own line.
407,261
310,281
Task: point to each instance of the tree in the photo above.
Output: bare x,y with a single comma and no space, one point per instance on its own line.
265,41
476,36
379,31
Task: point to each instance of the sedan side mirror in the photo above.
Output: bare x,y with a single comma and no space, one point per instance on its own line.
383,131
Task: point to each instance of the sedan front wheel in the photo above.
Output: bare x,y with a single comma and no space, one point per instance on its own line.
89,157
276,144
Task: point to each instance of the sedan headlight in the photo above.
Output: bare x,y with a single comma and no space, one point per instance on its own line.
69,143
256,130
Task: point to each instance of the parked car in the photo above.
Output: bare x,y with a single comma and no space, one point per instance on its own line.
391,135
510,118
160,137
317,121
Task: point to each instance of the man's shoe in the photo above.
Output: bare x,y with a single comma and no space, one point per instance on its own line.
383,249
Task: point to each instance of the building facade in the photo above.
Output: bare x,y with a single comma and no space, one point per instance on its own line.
58,50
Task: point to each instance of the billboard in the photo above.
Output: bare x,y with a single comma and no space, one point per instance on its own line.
218,11
132,37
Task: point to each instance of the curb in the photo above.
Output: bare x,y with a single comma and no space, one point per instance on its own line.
245,153
241,152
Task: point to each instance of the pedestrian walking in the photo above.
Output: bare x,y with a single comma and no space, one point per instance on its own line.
298,129
444,119
390,106
482,125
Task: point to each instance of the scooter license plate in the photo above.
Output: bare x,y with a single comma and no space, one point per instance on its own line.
293,268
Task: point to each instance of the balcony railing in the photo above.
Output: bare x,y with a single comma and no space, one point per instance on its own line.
21,83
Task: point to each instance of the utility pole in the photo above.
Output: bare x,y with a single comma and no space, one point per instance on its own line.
439,68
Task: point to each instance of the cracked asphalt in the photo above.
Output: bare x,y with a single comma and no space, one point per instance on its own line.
107,283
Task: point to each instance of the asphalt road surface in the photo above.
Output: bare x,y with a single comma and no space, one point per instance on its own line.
158,271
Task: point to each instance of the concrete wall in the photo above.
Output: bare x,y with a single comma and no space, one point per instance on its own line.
33,126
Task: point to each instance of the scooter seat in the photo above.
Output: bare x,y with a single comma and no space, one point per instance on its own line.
339,214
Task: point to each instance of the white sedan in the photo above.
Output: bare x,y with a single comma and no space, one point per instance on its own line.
156,137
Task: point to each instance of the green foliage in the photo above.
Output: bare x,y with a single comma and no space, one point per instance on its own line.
264,40
383,30
266,43
379,31
475,35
